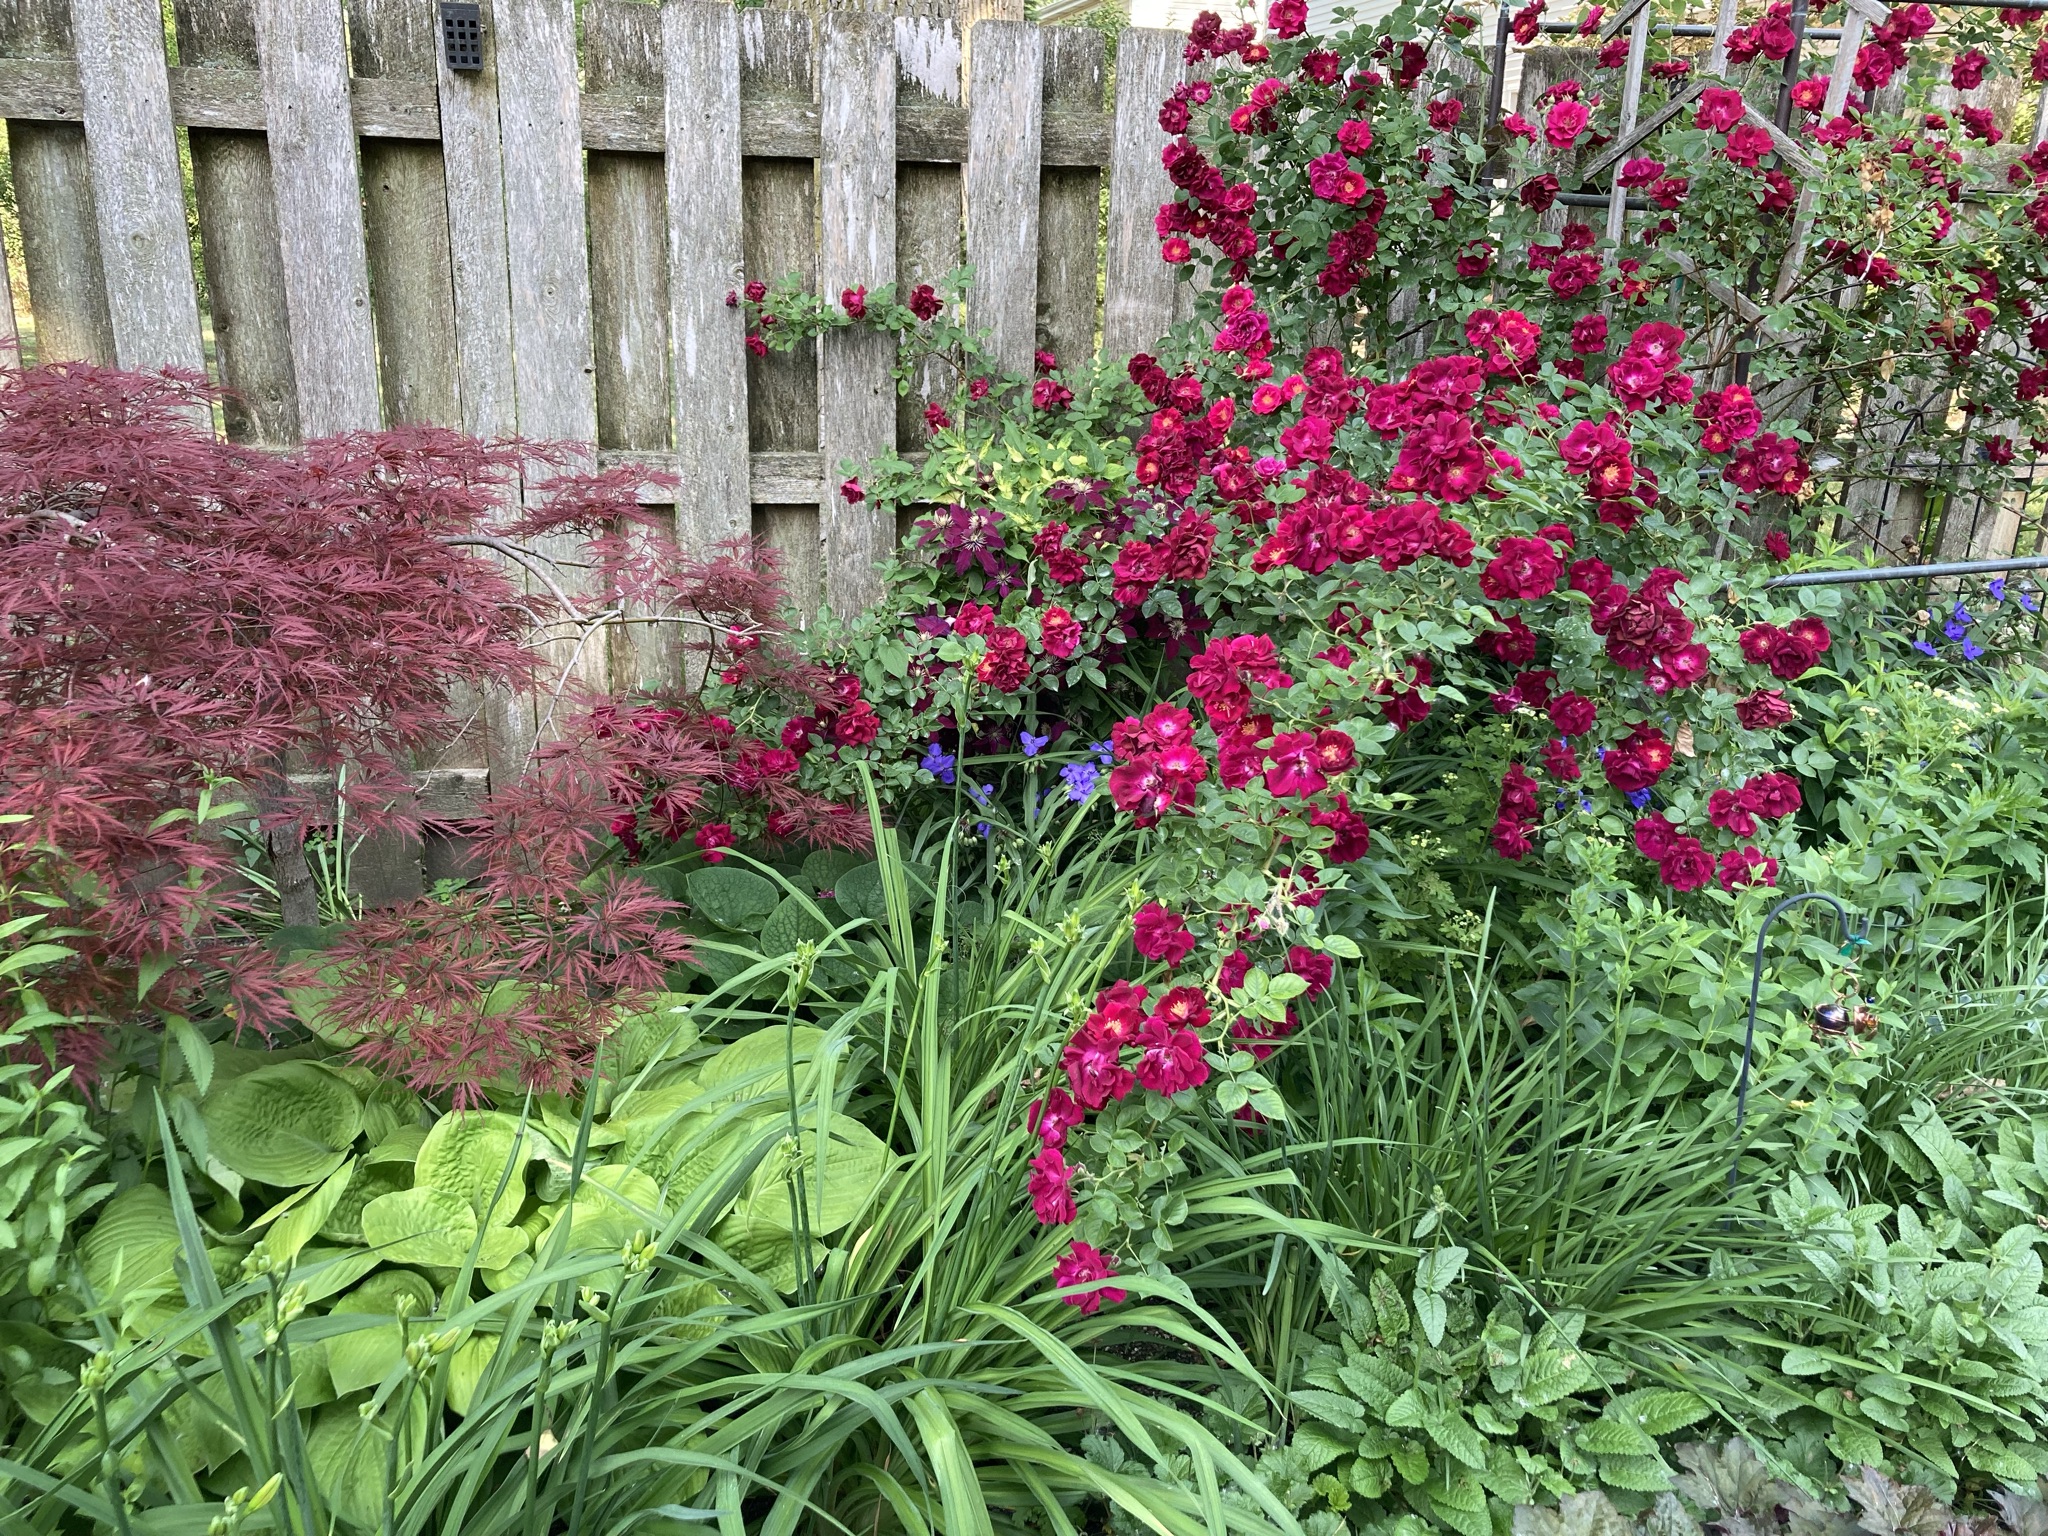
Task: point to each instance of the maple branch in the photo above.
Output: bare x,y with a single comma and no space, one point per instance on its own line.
532,562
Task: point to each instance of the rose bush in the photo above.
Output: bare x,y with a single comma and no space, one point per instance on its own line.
1441,501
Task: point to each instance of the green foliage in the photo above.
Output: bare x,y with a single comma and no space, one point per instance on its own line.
1918,1333
1729,1489
1424,1403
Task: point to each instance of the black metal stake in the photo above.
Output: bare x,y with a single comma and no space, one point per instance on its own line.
1756,982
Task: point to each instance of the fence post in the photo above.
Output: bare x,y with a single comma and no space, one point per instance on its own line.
1138,287
856,390
60,242
138,190
319,214
706,261
1005,105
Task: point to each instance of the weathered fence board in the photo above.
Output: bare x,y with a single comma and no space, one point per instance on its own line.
131,149
1069,200
1138,299
237,210
318,186
1005,104
707,257
53,198
779,199
929,229
857,248
405,218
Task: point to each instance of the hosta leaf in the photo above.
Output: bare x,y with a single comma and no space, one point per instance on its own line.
663,1027
856,1163
422,1226
344,1224
757,1065
307,1219
363,1357
732,897
282,1125
470,1154
349,1455
465,1367
129,1252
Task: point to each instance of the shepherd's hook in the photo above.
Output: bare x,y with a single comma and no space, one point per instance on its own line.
1756,982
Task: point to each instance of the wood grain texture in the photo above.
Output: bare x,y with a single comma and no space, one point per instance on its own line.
779,200
53,191
856,394
930,233
629,292
546,239
628,122
1138,295
237,208
473,171
138,188
1005,105
405,223
707,255
472,168
60,242
629,299
319,214
1070,201
1631,104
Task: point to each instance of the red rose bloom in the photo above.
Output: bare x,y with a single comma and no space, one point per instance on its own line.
857,726
1686,866
1523,569
1764,710
1160,934
1059,632
1573,714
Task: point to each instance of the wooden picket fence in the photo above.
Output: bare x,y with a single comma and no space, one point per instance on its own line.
544,246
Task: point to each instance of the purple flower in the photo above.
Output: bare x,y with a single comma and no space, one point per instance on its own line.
1105,754
1954,630
2027,602
1924,648
1638,798
969,537
1972,650
1033,745
938,764
1080,780
1997,589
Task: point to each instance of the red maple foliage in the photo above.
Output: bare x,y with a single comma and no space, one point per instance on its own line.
181,615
